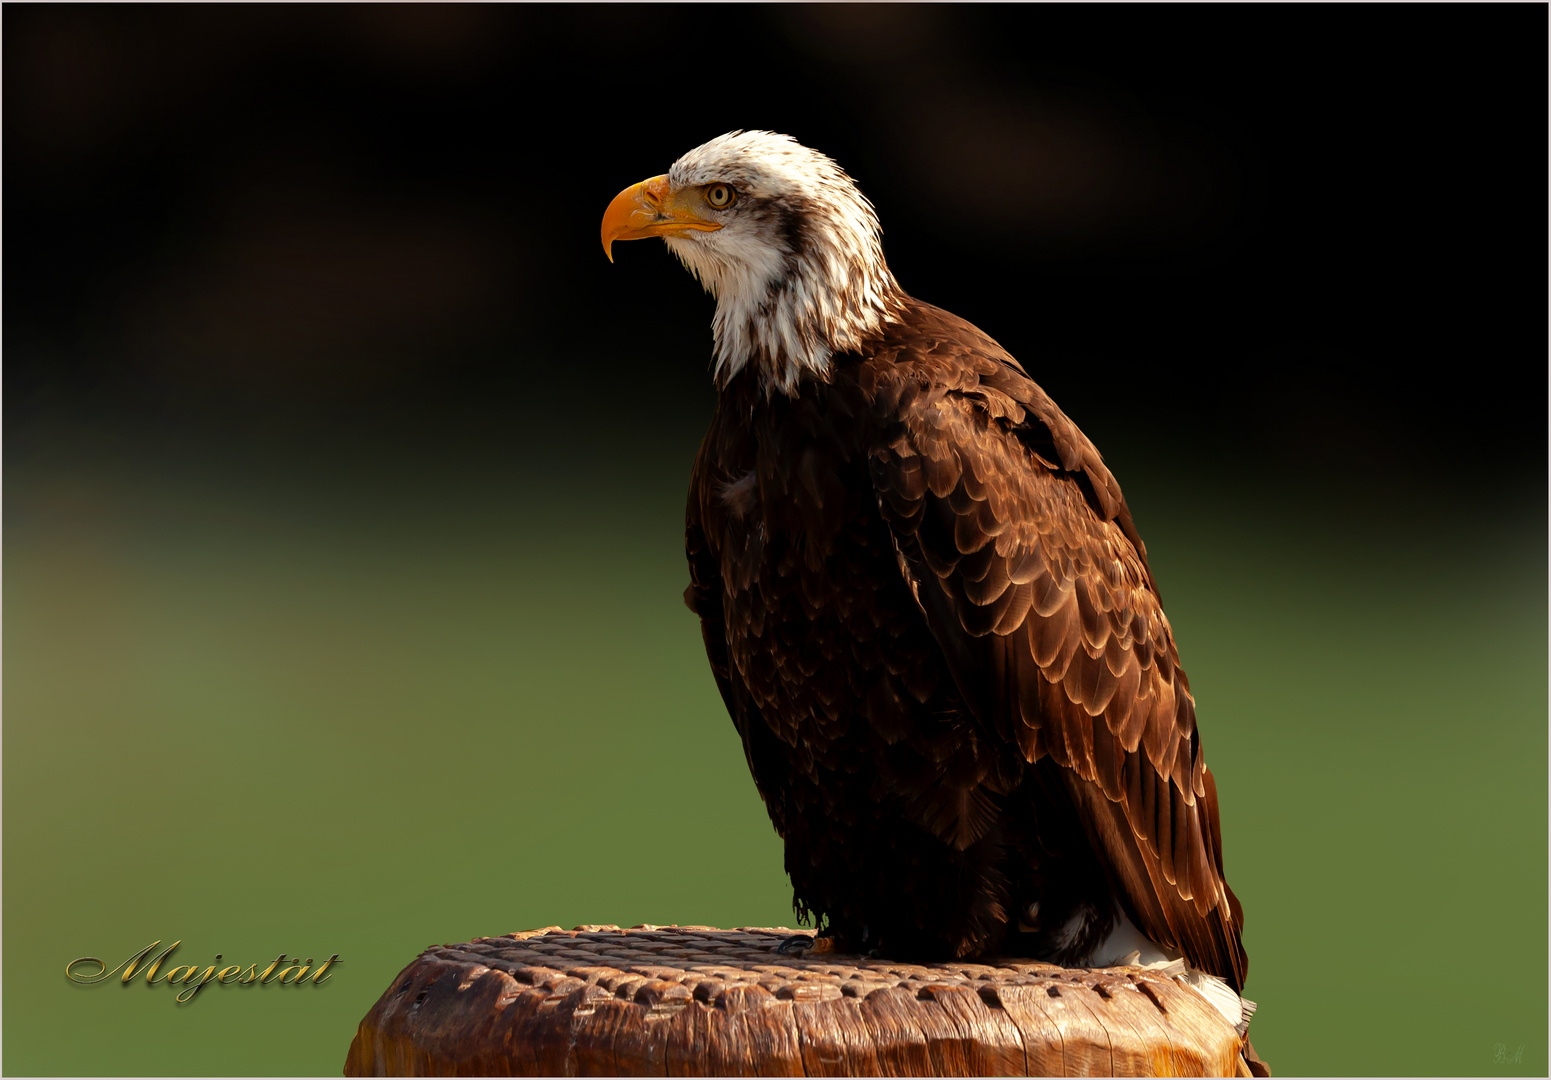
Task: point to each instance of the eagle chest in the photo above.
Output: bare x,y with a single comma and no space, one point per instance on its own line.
821,628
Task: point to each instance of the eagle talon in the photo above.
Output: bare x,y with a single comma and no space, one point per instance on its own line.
820,944
798,943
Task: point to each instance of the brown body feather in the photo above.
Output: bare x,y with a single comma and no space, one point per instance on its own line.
933,623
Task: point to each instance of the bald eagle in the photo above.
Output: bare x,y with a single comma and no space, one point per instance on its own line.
926,605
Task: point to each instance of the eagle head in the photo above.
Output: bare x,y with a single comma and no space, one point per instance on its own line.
782,238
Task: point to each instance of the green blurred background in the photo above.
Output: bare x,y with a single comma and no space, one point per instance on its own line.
344,481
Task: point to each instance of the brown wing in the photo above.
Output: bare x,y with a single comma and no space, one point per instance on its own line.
1022,554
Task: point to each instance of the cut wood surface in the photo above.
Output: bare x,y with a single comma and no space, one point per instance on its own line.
697,1001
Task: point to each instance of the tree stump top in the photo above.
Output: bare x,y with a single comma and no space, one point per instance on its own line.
695,1000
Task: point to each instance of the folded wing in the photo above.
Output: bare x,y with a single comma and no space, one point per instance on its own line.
1024,559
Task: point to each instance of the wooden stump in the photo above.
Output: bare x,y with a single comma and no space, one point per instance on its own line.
697,1001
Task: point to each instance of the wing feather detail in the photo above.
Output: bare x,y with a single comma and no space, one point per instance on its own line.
1034,582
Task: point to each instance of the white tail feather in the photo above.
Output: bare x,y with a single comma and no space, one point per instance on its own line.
1126,946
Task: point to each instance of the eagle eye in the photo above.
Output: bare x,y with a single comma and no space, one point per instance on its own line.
720,196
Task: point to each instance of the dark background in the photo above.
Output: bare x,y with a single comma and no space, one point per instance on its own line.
1299,241
308,338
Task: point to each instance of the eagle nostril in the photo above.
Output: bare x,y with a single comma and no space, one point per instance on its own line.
654,192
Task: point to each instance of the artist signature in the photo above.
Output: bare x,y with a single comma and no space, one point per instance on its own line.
78,971
1502,1054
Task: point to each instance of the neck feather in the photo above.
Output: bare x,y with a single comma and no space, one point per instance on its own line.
787,310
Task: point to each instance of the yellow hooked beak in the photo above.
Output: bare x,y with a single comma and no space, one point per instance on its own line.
651,208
